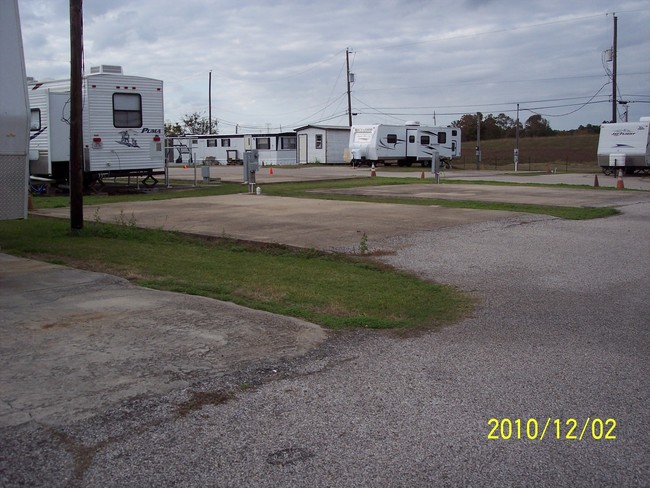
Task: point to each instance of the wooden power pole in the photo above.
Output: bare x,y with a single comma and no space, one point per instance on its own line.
76,175
347,64
614,95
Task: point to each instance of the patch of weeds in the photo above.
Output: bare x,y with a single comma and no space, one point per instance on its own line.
363,244
124,221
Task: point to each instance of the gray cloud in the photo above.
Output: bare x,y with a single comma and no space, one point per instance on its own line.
282,62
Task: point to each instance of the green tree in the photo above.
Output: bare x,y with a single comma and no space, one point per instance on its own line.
507,125
194,123
173,130
197,123
467,125
537,126
490,128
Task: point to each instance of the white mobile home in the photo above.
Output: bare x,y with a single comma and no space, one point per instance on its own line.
273,149
403,144
625,146
123,125
325,144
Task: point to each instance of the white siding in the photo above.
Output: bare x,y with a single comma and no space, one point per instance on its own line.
141,153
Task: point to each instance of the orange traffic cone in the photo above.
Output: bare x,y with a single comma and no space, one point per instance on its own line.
619,182
271,170
596,184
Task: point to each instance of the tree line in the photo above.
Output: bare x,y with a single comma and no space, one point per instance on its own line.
492,126
502,126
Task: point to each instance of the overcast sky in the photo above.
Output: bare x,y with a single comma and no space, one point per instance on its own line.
281,63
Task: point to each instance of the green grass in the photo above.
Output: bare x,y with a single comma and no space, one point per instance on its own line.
179,190
302,190
332,290
575,152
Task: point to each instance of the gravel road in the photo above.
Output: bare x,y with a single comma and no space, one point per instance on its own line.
561,331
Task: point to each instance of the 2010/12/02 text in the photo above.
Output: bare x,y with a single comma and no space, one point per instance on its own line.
570,429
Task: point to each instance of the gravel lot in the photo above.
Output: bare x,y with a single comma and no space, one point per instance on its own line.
560,332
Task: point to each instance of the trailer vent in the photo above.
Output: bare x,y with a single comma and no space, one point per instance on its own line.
106,69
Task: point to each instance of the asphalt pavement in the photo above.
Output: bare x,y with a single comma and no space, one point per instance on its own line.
552,365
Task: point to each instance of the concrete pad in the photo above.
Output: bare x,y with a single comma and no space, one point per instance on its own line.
635,182
75,343
510,194
319,224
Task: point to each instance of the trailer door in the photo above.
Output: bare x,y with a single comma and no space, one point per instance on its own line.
302,149
59,126
411,143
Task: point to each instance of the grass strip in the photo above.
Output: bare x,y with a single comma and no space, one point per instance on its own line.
305,190
335,291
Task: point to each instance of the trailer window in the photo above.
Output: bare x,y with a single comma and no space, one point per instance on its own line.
35,119
289,142
442,137
212,143
127,110
391,138
319,141
425,139
225,142
263,143
454,133
411,139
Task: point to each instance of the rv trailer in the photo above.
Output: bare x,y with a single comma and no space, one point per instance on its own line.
625,146
123,126
14,116
403,144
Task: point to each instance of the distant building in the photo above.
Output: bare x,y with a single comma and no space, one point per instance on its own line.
325,144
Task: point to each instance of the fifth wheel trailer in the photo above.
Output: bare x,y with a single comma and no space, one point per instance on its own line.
123,126
14,116
403,144
625,146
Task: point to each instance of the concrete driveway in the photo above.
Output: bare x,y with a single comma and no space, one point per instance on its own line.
510,194
307,223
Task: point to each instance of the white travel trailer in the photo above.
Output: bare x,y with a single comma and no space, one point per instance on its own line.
403,144
123,126
625,146
14,116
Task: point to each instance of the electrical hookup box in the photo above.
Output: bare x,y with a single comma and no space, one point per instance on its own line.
251,166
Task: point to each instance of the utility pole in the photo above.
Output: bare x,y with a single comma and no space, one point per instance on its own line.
76,128
347,64
210,102
478,140
517,141
614,96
